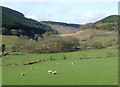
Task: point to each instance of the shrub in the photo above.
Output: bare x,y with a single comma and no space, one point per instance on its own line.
110,42
91,44
96,45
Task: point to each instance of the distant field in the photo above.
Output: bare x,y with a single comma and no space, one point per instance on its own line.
9,41
101,38
104,38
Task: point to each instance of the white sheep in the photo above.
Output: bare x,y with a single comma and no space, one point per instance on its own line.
36,67
72,63
54,72
49,71
50,65
31,68
22,74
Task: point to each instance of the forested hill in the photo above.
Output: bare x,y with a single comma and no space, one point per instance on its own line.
108,23
109,19
14,23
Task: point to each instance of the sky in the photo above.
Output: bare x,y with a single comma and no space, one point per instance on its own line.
69,12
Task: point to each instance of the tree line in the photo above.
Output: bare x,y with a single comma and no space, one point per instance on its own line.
48,44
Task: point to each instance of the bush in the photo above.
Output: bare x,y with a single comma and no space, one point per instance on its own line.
96,45
91,44
110,42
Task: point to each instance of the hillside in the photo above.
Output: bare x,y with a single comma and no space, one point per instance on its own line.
63,28
109,19
81,35
108,23
14,23
68,28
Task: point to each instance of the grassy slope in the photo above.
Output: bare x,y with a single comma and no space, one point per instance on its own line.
101,38
9,41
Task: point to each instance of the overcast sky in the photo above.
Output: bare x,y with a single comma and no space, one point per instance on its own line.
70,12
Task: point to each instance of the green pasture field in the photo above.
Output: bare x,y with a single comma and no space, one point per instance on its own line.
102,71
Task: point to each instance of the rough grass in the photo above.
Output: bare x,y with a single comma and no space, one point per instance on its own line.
83,72
101,39
104,38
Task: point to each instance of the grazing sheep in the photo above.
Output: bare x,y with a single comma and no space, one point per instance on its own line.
22,74
46,64
54,72
31,68
50,65
72,63
49,71
36,67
